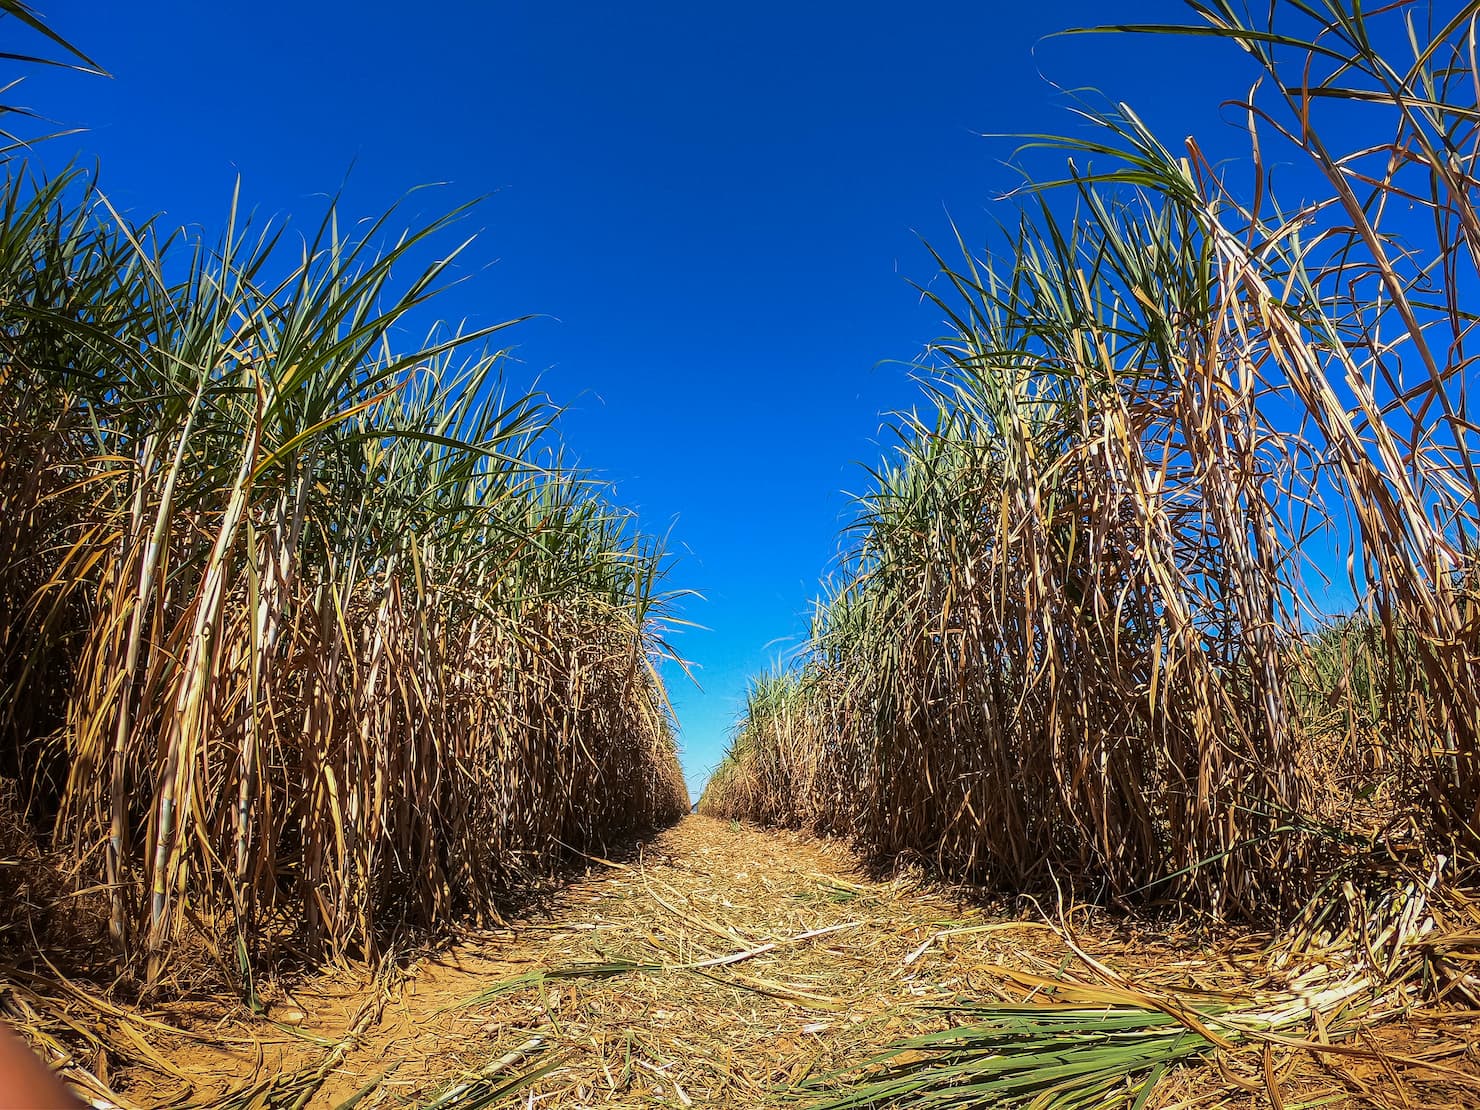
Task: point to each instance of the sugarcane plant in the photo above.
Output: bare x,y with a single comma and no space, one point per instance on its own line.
305,636
1079,632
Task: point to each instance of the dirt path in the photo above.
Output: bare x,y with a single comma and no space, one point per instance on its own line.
716,967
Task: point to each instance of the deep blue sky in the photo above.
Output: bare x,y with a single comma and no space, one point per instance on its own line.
716,208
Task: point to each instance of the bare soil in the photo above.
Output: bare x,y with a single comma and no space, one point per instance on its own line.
720,965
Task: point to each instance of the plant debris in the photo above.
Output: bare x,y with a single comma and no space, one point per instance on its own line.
711,967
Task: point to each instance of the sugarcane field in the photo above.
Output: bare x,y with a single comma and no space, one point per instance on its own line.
954,581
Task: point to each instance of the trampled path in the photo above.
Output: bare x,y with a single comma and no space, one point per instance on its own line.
719,965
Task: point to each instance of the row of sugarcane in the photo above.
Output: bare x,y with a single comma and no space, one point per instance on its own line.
308,634
1080,632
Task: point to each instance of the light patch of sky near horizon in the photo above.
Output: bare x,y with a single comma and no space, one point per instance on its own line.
715,211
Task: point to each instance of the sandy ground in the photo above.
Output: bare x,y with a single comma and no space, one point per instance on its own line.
720,965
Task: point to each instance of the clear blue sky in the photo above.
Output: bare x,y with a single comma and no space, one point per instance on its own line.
715,207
